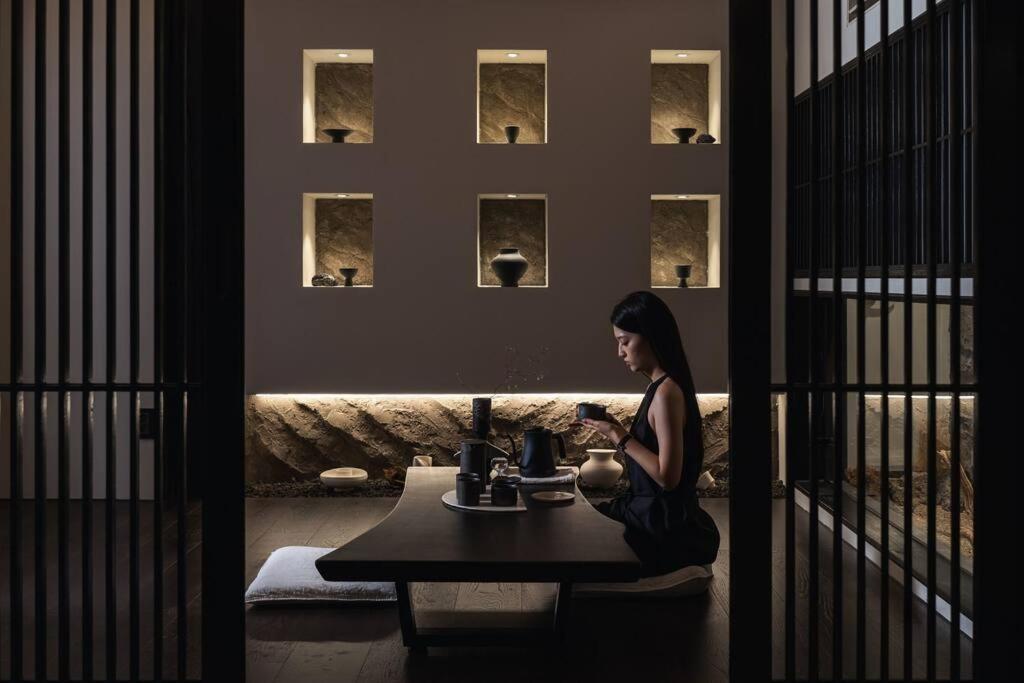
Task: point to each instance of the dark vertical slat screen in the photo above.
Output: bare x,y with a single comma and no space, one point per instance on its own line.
86,593
879,209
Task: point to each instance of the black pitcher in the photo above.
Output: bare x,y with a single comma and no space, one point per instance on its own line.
537,459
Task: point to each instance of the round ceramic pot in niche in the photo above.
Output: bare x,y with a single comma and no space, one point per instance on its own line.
510,266
684,134
600,471
683,273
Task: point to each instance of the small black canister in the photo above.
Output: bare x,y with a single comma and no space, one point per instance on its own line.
467,488
504,491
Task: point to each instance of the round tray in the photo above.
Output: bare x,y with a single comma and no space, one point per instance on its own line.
451,500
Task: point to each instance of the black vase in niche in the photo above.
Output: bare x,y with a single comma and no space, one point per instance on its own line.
511,134
337,134
683,272
510,266
348,274
684,134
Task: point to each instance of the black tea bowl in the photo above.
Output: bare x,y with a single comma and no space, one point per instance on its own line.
504,492
591,411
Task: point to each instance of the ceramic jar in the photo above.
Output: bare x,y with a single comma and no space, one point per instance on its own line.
510,266
600,470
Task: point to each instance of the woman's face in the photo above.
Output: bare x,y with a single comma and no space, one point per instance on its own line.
633,349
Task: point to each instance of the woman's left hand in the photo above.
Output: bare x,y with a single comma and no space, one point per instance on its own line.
611,431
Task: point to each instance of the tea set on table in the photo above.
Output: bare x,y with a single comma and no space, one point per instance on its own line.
489,478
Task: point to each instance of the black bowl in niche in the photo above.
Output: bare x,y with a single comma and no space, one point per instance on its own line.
591,411
337,134
348,274
683,273
684,134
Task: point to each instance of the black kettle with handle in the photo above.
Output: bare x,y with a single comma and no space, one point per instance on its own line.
537,459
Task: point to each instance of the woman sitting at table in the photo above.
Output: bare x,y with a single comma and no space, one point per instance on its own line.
663,449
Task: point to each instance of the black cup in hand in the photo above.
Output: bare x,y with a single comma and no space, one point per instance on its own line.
591,411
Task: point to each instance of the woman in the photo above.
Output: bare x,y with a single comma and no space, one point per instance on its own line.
663,448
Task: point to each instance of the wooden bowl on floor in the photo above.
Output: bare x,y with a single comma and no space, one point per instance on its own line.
343,477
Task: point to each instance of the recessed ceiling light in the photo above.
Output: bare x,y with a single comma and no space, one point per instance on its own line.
682,55
342,196
343,54
682,196
512,196
513,55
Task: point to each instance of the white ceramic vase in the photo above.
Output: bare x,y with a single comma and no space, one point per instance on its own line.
600,470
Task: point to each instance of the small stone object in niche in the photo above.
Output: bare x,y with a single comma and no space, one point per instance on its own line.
684,134
683,272
324,280
511,134
337,134
705,139
510,266
348,274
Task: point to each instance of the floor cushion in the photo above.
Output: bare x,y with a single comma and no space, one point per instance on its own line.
289,576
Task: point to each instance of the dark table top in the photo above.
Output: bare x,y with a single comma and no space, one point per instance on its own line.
422,540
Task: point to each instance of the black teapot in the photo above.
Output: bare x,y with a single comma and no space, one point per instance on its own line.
537,460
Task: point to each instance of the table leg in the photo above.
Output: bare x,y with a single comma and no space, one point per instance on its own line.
563,604
405,616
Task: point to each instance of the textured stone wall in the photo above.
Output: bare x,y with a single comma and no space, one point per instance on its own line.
344,99
679,99
512,95
297,437
344,237
514,223
679,235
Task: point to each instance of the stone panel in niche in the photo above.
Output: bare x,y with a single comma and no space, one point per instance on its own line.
512,94
519,223
344,99
344,237
679,235
679,99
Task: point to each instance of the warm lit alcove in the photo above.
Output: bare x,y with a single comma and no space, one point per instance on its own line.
512,97
337,235
685,231
686,96
337,96
512,221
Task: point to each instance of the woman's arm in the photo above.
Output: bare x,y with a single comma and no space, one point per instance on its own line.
668,416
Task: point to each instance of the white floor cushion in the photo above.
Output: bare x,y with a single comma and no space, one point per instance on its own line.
680,583
289,576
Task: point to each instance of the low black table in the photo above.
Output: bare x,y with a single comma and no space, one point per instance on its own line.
422,540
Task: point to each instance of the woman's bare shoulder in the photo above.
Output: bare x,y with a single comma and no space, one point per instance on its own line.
669,390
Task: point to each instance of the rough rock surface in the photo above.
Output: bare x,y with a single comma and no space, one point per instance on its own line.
679,99
679,234
344,237
344,99
295,437
512,95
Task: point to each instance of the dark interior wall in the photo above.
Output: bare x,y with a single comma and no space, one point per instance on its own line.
420,328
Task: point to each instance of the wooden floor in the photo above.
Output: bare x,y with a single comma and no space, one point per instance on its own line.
682,640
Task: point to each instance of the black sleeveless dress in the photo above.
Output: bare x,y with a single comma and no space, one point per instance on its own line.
667,530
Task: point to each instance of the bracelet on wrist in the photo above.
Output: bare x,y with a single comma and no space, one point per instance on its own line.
621,445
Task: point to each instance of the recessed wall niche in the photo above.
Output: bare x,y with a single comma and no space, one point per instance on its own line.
337,96
685,231
511,98
512,222
686,95
337,236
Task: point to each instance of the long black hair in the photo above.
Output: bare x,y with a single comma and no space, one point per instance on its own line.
646,314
